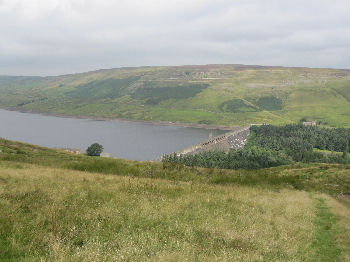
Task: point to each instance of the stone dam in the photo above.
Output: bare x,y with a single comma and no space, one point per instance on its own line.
234,139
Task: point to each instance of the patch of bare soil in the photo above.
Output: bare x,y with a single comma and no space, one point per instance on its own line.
345,196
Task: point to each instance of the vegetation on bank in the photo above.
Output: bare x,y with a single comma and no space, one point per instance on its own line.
213,94
144,211
270,146
247,158
327,178
94,150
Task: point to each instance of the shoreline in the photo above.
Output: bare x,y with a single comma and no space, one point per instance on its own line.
110,119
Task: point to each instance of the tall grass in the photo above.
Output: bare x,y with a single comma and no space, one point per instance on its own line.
60,215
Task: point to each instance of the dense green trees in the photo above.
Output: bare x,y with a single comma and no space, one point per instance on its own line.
251,158
346,150
94,150
269,146
298,141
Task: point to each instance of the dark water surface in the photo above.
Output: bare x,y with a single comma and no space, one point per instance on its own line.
130,140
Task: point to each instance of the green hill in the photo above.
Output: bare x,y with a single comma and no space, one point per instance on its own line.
57,206
211,94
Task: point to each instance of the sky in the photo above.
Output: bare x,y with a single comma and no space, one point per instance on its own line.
54,37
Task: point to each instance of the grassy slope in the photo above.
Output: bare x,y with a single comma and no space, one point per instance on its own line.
153,213
215,94
327,178
71,216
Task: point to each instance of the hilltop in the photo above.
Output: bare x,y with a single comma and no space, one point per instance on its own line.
209,94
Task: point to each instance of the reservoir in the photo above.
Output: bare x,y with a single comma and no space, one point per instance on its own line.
129,140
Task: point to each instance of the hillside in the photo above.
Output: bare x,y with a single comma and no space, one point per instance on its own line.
140,211
211,94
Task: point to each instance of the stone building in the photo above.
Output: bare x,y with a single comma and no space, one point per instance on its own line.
312,123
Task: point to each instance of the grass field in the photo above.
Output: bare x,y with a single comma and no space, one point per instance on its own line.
212,94
57,206
327,152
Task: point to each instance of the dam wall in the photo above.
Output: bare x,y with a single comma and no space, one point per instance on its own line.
234,139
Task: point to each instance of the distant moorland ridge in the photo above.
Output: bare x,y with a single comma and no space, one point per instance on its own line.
204,94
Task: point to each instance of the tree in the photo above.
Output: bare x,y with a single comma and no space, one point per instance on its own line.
346,150
303,120
94,150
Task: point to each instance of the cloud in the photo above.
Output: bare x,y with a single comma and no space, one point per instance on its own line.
50,37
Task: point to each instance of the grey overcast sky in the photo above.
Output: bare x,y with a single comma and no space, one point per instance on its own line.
51,37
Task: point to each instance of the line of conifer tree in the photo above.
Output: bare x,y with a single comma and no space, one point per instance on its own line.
270,146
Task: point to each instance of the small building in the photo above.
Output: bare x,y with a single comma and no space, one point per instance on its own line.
312,123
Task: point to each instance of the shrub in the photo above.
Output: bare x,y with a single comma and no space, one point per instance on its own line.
94,150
